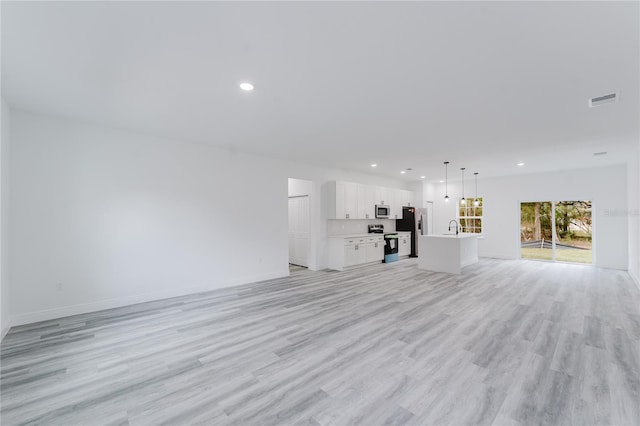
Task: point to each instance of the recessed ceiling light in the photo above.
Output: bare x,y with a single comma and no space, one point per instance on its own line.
403,172
374,165
422,177
520,164
441,181
246,86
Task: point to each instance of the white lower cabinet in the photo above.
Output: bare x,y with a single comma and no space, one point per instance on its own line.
354,255
374,251
345,252
404,244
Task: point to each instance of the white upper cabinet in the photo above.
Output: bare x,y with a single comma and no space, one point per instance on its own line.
348,200
395,204
383,195
342,200
406,198
366,202
403,198
351,200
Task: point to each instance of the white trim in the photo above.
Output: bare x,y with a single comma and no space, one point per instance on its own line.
5,331
84,308
634,277
497,256
616,267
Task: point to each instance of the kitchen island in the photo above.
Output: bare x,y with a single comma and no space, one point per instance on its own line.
447,253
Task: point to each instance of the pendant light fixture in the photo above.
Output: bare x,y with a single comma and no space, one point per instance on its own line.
446,193
476,202
463,200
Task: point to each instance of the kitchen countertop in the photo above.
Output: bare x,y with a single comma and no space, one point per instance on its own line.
460,235
356,235
368,235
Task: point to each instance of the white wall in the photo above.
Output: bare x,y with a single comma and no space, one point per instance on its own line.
633,190
605,186
4,218
116,217
418,196
357,226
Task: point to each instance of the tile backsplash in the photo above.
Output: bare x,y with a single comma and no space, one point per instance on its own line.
357,226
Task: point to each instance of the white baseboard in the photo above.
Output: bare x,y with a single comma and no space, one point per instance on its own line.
4,332
84,308
616,267
496,256
634,277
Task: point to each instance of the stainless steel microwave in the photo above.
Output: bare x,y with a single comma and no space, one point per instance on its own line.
382,212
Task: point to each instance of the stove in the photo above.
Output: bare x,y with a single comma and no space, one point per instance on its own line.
376,229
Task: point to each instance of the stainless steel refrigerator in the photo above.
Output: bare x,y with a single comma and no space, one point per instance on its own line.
416,221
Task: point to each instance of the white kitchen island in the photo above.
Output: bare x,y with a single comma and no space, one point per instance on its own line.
447,253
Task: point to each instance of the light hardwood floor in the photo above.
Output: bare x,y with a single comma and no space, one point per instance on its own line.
507,342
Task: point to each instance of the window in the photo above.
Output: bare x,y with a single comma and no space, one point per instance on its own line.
470,215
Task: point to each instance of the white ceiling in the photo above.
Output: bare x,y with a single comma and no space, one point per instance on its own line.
483,85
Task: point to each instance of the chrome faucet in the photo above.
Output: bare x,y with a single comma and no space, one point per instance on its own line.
456,223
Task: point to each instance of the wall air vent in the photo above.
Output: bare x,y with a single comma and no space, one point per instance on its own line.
605,99
600,153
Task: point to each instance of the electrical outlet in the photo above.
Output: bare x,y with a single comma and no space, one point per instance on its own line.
58,286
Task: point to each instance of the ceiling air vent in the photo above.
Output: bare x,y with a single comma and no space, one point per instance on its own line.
611,97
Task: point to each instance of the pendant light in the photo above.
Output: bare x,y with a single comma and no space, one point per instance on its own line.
446,193
476,202
463,200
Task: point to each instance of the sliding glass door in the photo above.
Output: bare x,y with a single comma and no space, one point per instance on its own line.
573,231
536,230
559,231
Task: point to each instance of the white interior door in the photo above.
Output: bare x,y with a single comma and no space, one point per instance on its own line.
299,230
